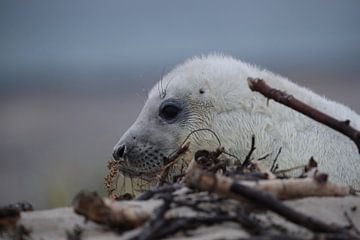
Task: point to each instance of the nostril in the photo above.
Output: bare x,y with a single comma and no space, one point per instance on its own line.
119,152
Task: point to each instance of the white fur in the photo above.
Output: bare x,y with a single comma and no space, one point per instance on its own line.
235,113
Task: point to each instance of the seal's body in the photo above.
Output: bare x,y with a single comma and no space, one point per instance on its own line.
212,92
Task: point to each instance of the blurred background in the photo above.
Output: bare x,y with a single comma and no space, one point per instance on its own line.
74,74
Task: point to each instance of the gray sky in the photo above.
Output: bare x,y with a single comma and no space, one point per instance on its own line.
88,35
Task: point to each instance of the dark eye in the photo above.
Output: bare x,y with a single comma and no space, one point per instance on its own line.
169,111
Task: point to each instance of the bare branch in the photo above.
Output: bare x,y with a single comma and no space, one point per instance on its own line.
225,186
259,85
93,207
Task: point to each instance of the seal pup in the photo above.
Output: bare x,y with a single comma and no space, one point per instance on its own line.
212,92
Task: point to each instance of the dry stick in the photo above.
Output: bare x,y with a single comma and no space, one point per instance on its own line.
225,186
274,166
93,207
310,167
291,188
283,171
170,162
248,156
259,85
264,157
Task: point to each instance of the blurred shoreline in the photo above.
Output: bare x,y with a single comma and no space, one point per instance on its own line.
75,74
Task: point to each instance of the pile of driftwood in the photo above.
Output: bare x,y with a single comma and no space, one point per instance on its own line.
215,192
212,198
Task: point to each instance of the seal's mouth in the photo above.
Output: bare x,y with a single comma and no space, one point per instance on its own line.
128,171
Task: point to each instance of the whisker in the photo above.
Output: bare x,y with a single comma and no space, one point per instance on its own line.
200,130
162,93
195,131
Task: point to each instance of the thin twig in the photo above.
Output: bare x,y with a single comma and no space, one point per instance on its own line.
264,157
274,166
283,171
170,162
248,156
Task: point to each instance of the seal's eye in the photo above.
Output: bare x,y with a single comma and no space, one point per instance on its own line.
169,111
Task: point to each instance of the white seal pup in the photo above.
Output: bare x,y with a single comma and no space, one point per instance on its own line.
212,92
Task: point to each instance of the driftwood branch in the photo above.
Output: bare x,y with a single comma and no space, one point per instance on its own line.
284,189
93,207
259,85
225,186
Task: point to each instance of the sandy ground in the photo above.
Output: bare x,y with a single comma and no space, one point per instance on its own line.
54,223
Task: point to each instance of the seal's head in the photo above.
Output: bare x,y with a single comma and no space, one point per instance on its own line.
211,92
186,99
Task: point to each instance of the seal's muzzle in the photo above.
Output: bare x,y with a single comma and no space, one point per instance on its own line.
119,151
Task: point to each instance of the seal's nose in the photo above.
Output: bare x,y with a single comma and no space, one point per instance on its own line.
119,152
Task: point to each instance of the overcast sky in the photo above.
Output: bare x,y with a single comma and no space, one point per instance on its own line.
45,35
